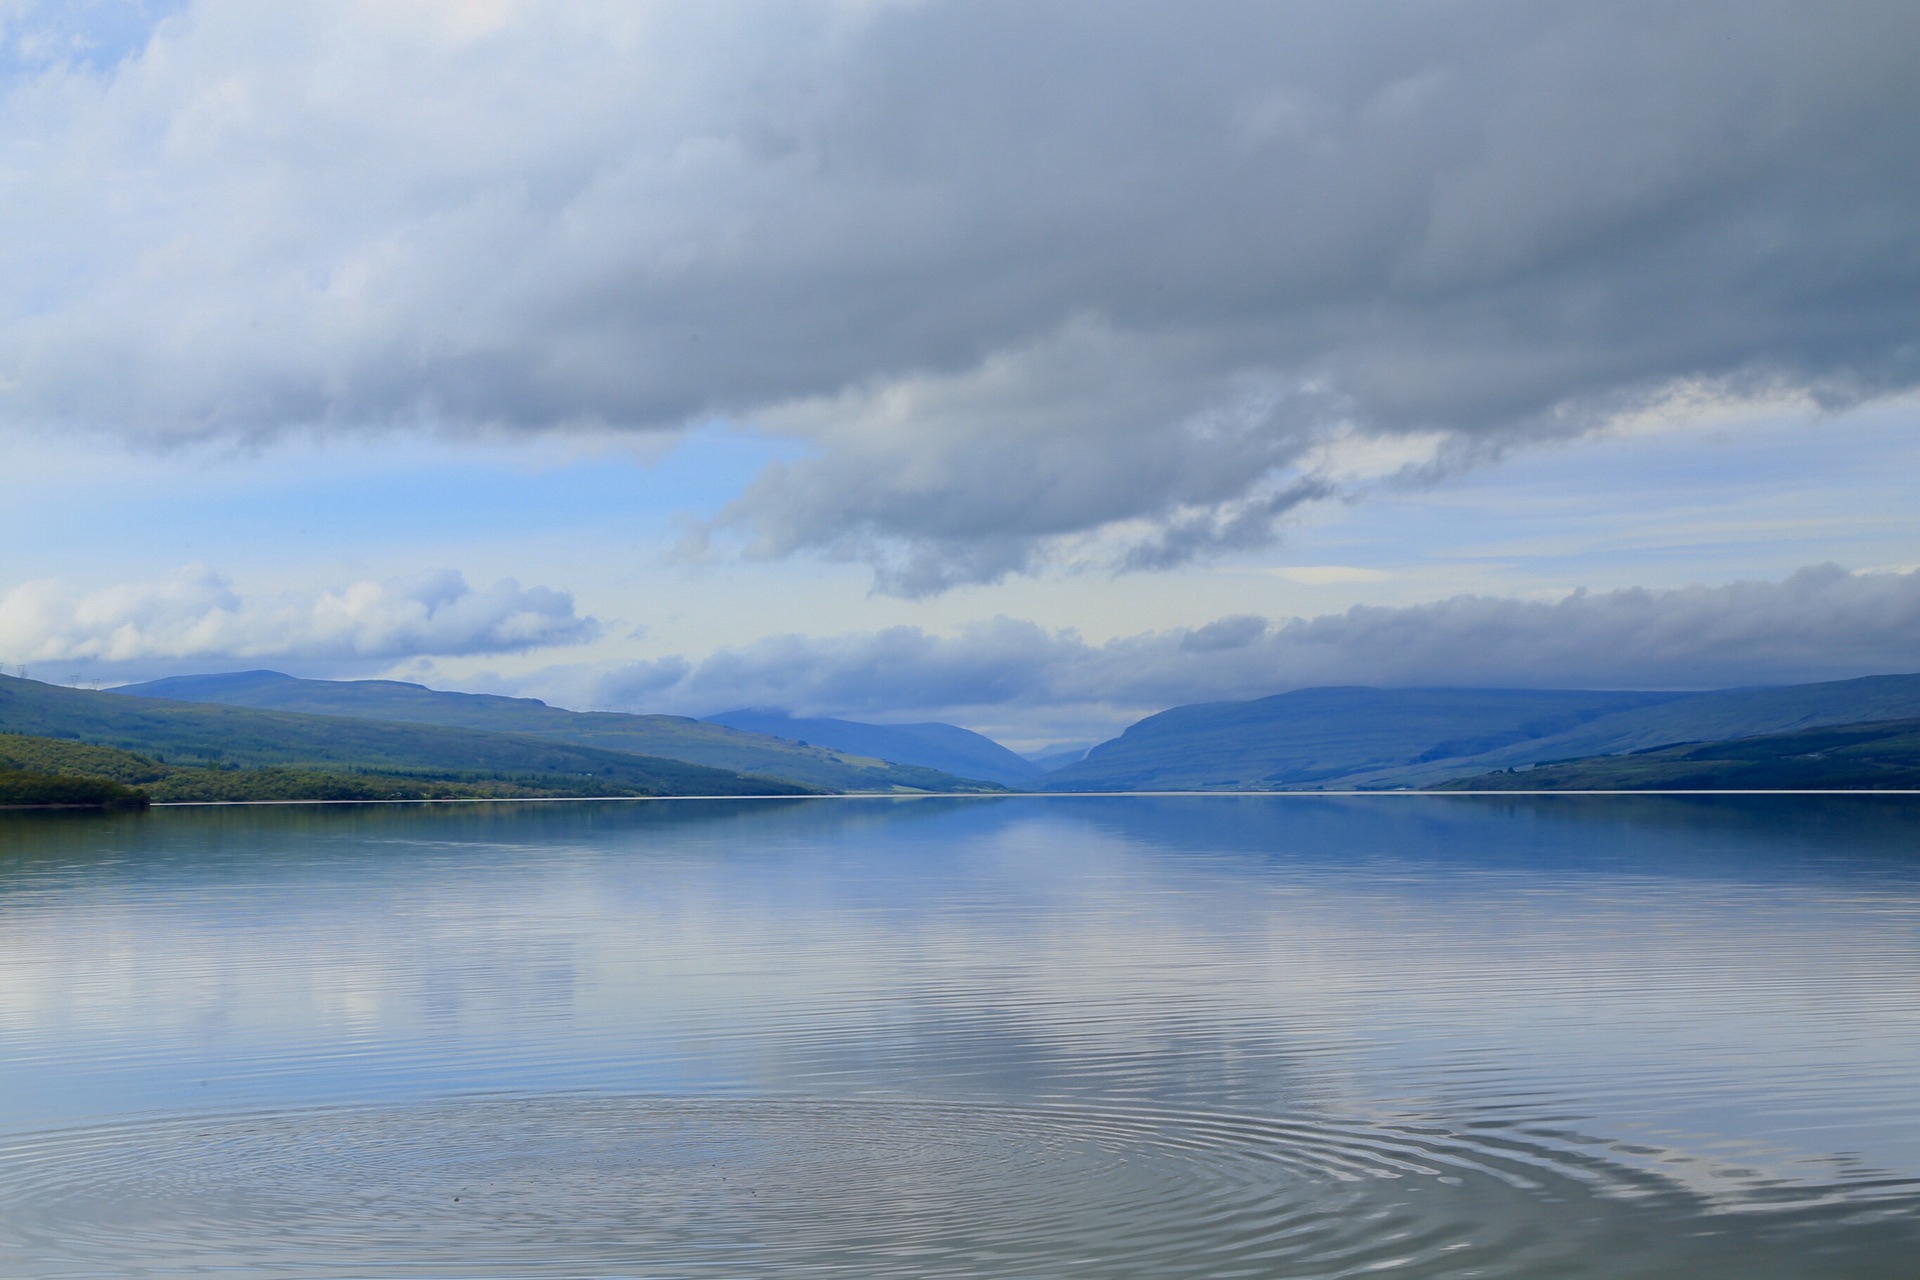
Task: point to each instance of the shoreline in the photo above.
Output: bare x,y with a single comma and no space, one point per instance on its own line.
939,795
1017,795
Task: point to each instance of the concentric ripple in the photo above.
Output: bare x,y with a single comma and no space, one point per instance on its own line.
569,1185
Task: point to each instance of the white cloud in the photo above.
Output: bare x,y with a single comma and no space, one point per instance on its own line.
1015,678
1322,575
1035,284
198,617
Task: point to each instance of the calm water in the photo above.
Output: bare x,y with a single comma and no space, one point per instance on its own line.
1208,1036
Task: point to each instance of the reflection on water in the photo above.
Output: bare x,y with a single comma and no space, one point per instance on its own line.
554,1185
1027,1036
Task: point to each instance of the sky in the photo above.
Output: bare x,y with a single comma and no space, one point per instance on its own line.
1032,367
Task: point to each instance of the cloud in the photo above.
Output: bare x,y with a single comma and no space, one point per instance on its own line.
196,617
1016,678
1034,285
942,479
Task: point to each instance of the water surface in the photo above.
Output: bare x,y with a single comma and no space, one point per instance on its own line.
1032,1036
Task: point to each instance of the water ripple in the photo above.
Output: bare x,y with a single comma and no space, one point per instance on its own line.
552,1185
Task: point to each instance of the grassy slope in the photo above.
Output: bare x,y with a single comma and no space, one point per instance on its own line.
670,737
46,758
1877,756
180,733
1322,736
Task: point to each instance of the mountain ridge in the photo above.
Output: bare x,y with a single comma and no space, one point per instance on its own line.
242,737
667,737
1358,737
1322,736
1880,755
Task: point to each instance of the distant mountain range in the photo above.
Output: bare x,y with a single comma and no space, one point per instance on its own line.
1346,738
1057,758
202,744
1316,738
667,737
399,740
947,747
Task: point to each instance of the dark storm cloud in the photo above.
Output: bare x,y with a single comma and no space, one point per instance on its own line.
1036,283
1821,623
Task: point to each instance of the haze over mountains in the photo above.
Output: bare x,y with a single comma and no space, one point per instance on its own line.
1034,369
1322,737
936,746
670,737
1346,738
318,739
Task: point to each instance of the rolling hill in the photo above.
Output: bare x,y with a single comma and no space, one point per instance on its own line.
1880,756
946,747
667,737
179,733
1321,737
1377,738
1705,717
51,764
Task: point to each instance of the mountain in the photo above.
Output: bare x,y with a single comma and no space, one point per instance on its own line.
1707,717
179,733
1058,758
1880,756
667,737
1320,737
62,761
1373,738
947,747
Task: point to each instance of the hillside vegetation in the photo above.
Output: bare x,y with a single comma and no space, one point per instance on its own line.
1323,737
1879,756
49,758
1706,717
1378,738
714,746
408,758
20,789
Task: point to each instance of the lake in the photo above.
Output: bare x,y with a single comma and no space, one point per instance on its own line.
1024,1036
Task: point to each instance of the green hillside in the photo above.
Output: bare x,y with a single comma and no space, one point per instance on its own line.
184,734
111,772
1702,717
1378,738
669,737
1322,737
23,790
1880,756
60,756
